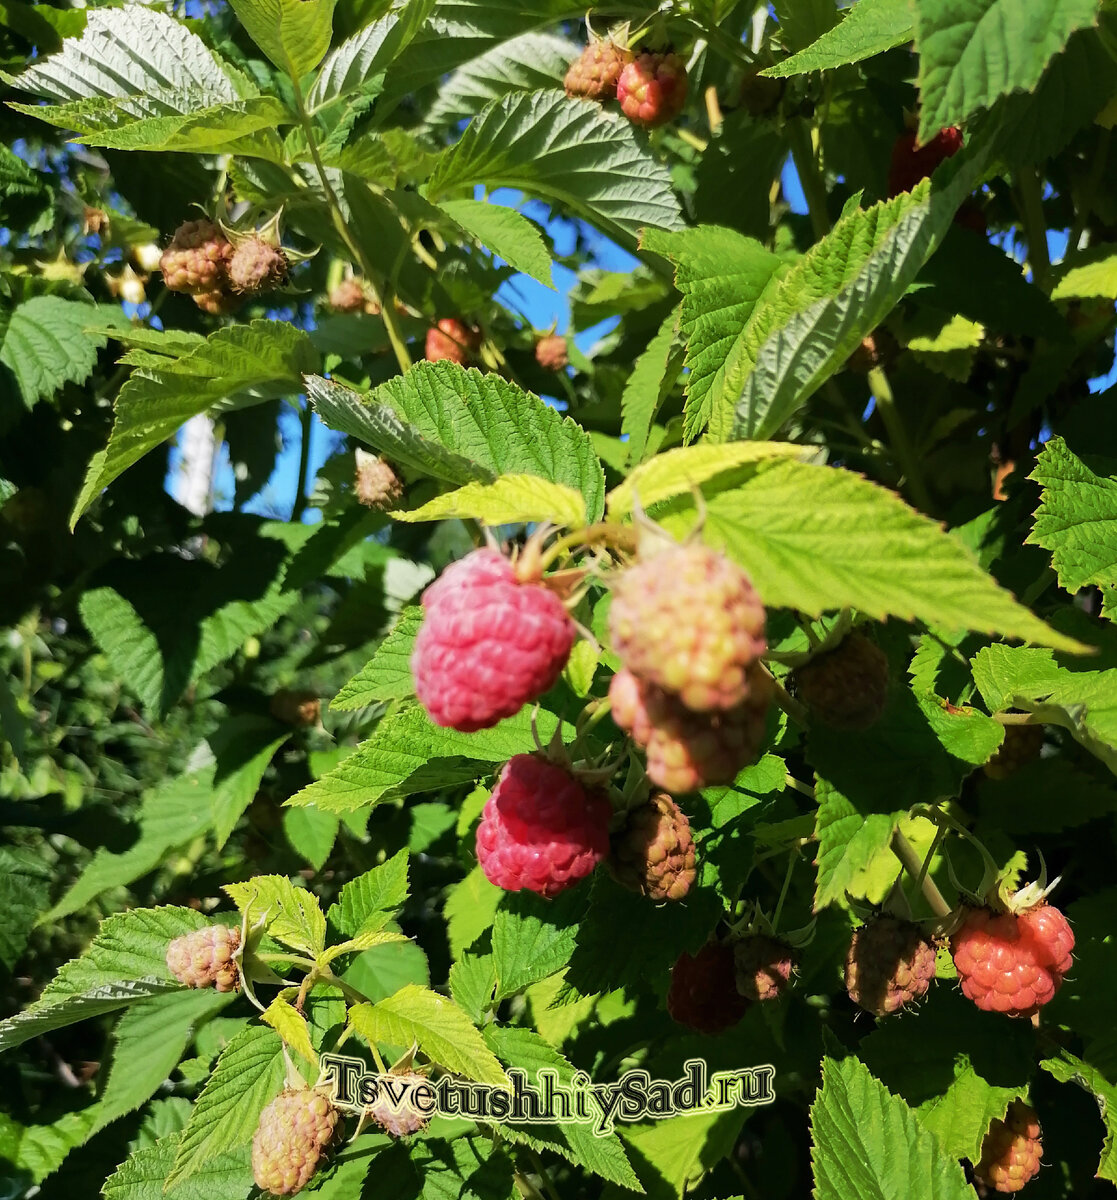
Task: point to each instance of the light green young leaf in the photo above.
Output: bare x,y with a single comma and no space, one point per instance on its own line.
461,425
869,27
506,232
46,345
972,52
387,675
1077,522
125,962
1094,274
867,1142
442,1030
821,538
294,34
248,1075
511,499
579,154
1068,1069
291,915
291,1026
261,360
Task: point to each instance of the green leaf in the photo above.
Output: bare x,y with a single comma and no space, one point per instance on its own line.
247,1076
46,345
1077,522
673,1154
1083,702
510,500
504,231
653,376
387,675
239,752
291,1026
849,840
443,1032
869,1144
367,902
821,538
869,27
36,1151
124,963
141,1176
803,22
532,938
291,915
24,893
1094,274
1068,1069
263,360
310,833
461,425
577,154
971,52
472,982
294,34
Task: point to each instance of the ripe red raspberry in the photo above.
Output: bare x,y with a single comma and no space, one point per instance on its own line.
889,964
298,708
488,644
1021,746
594,73
452,340
394,1110
764,966
377,484
1011,1150
912,162
541,830
847,687
257,266
348,297
703,992
217,304
654,852
291,1137
686,750
689,621
204,958
197,259
1010,962
550,352
652,89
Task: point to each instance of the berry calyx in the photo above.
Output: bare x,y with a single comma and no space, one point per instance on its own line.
764,967
197,259
551,352
889,964
689,621
652,88
488,643
703,993
912,162
1013,962
1022,744
541,830
206,958
653,853
686,750
256,265
1012,1149
594,73
847,687
290,1140
452,340
394,1109
377,484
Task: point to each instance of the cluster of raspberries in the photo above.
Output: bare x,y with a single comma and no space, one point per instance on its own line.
689,630
203,263
651,87
712,990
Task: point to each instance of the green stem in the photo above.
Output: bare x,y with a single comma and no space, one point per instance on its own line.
792,859
387,297
1089,190
810,178
898,436
1035,228
306,420
1008,718
906,853
541,1171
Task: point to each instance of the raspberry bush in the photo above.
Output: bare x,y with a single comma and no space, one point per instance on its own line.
546,540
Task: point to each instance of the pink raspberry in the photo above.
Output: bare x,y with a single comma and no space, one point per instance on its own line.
488,644
453,340
257,266
197,259
291,1137
594,73
541,830
652,88
204,958
551,352
394,1110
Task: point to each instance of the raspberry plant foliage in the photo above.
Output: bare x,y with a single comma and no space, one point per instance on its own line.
712,660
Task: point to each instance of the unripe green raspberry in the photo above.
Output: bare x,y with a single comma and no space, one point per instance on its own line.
204,958
847,687
654,852
764,966
889,964
403,1117
689,621
290,1139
